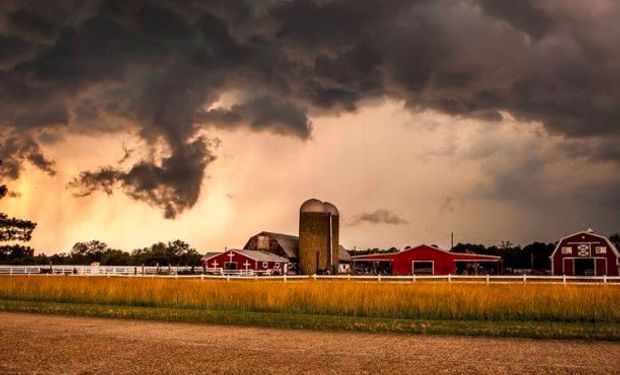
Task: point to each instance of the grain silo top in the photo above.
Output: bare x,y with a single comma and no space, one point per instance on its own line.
330,208
312,205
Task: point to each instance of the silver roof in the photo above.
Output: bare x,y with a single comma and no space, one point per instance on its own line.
262,256
290,245
257,255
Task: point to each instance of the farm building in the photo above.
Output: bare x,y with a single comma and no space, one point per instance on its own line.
247,260
585,254
421,260
287,246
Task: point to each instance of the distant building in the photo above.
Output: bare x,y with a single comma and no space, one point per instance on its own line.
287,246
421,260
585,254
246,261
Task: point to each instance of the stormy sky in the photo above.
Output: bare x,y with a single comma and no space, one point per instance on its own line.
133,120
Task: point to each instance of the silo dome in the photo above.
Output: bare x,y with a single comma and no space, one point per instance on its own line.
312,205
330,208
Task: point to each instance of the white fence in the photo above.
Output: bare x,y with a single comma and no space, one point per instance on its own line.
78,270
219,273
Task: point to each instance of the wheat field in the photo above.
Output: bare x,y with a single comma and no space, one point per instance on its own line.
436,301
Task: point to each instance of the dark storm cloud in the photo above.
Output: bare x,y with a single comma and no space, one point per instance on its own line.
261,113
173,185
159,69
521,14
379,216
14,151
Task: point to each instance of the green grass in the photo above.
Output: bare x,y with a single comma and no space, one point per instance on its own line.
523,329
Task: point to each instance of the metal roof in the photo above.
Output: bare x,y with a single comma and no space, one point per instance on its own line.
455,256
257,255
290,245
262,256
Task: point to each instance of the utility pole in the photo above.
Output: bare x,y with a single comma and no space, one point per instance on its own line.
451,241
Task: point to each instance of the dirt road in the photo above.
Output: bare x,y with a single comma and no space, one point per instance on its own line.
41,344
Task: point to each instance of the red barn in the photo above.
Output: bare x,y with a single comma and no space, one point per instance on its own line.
585,254
246,261
423,260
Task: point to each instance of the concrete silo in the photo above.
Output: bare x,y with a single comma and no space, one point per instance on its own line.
318,237
334,235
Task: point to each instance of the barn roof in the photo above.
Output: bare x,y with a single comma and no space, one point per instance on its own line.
290,245
455,256
262,256
343,254
257,255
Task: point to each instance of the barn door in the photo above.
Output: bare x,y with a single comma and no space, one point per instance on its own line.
567,266
584,267
601,267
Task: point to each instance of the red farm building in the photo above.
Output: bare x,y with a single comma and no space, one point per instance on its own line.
585,254
245,261
422,260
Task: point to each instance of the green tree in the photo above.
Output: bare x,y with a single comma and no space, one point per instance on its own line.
12,229
172,253
88,252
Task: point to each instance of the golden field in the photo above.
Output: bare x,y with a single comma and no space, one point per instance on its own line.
435,301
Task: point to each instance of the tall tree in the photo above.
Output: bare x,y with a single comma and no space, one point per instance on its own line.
12,229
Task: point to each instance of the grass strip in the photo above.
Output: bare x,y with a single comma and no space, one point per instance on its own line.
535,330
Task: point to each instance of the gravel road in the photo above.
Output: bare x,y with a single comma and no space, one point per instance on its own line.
42,344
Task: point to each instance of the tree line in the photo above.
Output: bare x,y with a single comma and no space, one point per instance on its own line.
173,253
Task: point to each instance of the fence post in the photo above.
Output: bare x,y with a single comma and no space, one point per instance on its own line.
379,278
605,279
11,271
414,278
314,276
564,280
227,278
284,278
524,278
488,279
202,276
348,276
449,278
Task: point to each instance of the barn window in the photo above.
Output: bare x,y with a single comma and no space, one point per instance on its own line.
567,250
601,250
230,265
263,242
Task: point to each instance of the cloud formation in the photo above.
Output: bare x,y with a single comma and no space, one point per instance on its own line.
15,150
379,216
159,70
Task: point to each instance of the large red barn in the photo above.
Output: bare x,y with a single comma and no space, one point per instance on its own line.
585,254
246,261
424,260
